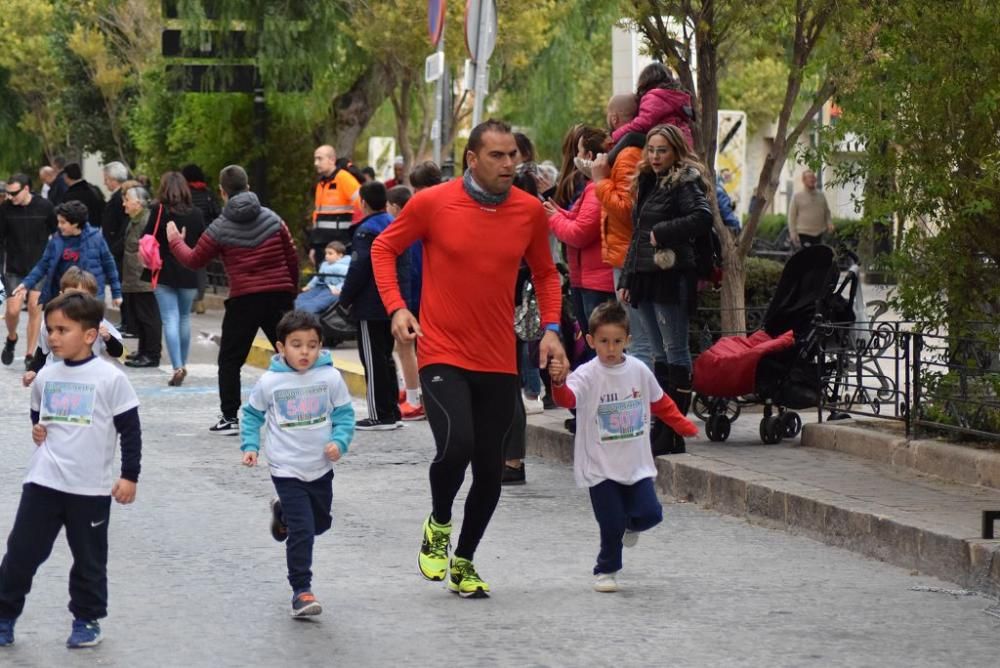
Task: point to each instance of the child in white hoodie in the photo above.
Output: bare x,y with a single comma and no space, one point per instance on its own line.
305,405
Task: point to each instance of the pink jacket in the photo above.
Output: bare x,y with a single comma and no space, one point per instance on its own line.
659,106
580,230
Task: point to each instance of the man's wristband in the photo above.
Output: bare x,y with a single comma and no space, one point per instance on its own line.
552,327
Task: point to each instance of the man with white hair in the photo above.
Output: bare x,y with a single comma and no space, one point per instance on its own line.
114,220
46,175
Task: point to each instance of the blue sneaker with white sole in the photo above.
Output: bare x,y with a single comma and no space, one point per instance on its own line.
85,634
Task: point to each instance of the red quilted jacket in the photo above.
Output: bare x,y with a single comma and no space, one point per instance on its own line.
254,244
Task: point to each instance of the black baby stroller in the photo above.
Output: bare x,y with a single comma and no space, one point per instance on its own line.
779,364
337,326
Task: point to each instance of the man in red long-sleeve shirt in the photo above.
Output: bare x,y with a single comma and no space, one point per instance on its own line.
474,231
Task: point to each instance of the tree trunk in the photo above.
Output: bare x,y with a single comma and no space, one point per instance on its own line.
402,104
351,111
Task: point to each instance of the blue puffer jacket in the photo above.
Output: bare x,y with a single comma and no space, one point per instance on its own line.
95,257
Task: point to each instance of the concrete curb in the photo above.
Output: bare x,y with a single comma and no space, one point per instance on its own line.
354,374
954,463
818,513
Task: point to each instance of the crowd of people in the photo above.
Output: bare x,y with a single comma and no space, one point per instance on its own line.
514,286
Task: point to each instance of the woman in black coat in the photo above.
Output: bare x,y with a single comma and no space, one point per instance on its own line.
203,199
671,221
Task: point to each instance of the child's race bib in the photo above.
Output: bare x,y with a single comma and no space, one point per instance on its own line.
621,420
301,406
68,403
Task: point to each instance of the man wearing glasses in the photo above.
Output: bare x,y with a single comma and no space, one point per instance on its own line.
26,222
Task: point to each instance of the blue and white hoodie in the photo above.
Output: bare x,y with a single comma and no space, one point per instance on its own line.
303,411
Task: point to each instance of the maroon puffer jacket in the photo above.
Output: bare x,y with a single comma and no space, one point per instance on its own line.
254,244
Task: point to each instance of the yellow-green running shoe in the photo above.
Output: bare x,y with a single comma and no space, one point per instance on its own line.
433,557
464,581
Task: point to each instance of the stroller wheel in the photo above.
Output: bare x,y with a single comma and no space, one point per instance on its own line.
771,429
702,407
791,423
718,427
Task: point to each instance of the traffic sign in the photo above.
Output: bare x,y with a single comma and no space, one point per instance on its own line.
436,11
434,66
480,13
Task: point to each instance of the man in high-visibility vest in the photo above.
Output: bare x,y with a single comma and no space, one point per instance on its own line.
336,202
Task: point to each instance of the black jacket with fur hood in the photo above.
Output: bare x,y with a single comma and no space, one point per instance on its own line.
675,209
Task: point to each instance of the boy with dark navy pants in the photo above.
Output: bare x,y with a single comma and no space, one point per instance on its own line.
79,407
305,406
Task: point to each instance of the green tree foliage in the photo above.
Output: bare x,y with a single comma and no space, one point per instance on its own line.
697,36
927,106
394,34
569,81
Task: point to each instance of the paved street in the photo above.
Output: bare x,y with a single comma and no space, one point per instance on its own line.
196,579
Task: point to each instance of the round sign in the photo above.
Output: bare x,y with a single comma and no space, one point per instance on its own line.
436,11
480,13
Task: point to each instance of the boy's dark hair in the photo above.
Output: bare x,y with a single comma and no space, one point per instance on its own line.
78,278
476,136
399,195
608,313
425,175
296,321
374,195
73,171
78,307
369,172
233,180
337,246
75,212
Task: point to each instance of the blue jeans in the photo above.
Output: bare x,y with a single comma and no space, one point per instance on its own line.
584,303
667,325
315,300
642,348
305,509
531,377
618,507
175,312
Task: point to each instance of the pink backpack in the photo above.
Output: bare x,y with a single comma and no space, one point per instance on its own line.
149,249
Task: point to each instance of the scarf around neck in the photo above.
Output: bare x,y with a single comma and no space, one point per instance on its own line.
476,192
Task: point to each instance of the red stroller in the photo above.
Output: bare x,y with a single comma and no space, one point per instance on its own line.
779,364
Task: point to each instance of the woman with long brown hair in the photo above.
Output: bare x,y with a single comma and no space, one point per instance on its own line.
659,278
175,286
590,279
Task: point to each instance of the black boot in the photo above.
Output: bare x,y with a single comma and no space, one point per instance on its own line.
680,391
662,439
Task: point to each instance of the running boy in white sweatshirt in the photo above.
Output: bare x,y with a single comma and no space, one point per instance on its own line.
304,403
613,395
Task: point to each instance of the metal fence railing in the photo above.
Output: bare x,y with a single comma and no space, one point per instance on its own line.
928,381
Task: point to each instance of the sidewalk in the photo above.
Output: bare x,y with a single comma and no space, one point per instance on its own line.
875,506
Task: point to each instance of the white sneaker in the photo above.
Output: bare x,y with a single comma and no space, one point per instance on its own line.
606,583
630,538
533,406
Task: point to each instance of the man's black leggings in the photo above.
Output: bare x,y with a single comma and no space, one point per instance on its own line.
471,414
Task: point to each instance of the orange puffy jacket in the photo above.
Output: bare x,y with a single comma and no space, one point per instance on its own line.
615,196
